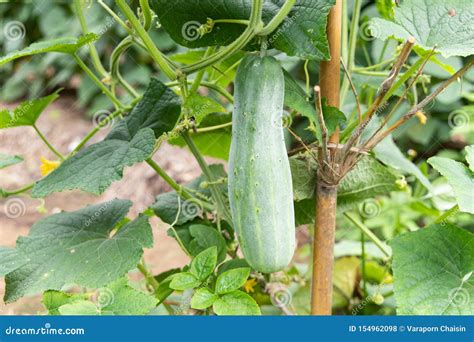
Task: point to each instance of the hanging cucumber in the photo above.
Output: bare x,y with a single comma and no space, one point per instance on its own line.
260,187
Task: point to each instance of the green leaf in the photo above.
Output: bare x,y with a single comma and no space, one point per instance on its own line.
303,172
460,177
333,117
27,112
446,24
78,248
97,166
296,98
433,271
53,300
236,303
231,264
203,298
184,281
119,298
159,109
389,153
10,260
6,160
199,107
164,279
204,263
215,143
79,308
205,237
232,280
64,45
302,34
167,204
368,179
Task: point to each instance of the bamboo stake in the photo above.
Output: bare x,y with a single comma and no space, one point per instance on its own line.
326,194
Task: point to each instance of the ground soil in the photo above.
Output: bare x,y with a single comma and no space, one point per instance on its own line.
65,124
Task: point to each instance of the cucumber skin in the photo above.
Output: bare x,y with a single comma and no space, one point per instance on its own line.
260,186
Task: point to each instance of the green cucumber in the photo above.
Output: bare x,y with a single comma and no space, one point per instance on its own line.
260,187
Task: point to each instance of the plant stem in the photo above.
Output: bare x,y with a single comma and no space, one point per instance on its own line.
252,29
182,191
278,18
92,50
326,195
200,74
147,18
115,64
216,193
209,85
51,147
152,49
364,229
115,16
148,276
353,35
450,212
213,128
94,78
6,193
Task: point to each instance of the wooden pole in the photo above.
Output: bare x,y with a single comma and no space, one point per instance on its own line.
326,194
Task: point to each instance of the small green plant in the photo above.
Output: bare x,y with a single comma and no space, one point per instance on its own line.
299,156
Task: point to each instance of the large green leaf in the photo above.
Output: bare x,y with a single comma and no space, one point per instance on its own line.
119,298
27,112
460,177
446,24
10,260
159,109
236,303
184,281
78,248
199,107
6,160
296,98
303,33
368,179
433,271
97,166
64,45
131,141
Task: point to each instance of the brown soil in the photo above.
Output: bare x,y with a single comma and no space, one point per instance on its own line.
64,124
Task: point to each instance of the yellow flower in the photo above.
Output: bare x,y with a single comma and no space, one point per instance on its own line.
421,117
47,166
249,285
